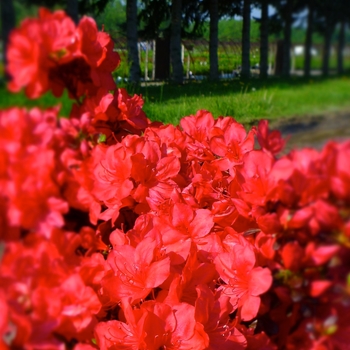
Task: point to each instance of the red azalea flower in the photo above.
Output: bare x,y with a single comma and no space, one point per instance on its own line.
130,109
231,144
243,282
52,53
112,174
270,141
198,126
38,45
136,272
213,312
153,326
30,180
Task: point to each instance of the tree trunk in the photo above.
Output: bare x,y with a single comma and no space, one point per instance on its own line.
264,39
175,42
132,38
287,38
162,59
308,40
327,49
7,24
73,10
214,40
245,73
341,44
279,57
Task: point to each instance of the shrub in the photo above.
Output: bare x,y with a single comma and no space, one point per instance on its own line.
119,233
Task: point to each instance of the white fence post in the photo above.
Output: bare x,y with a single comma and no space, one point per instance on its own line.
154,61
146,62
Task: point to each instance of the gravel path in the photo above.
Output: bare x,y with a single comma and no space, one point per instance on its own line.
314,131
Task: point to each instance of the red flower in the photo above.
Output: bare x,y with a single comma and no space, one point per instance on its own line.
270,141
130,109
51,53
112,174
152,327
257,181
45,296
231,144
38,45
136,272
213,312
198,126
292,255
243,282
154,176
29,180
173,328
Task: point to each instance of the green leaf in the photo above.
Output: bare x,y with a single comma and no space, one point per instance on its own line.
101,138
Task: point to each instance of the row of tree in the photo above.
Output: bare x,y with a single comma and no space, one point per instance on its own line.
188,17
177,19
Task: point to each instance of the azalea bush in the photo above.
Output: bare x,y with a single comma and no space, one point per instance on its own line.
119,233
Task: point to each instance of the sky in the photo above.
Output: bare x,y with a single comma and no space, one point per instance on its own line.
256,12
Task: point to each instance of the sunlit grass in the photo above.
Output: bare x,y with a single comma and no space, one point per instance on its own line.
250,100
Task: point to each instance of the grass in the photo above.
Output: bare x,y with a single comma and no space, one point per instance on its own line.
247,101
250,100
8,99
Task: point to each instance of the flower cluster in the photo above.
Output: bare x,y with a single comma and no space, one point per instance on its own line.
119,233
52,53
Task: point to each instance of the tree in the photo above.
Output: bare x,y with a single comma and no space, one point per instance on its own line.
171,21
328,12
132,41
308,37
343,18
245,73
341,45
287,37
328,32
113,18
73,10
90,7
283,20
175,42
157,19
213,40
154,19
264,39
7,24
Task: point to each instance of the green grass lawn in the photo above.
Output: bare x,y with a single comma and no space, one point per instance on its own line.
246,101
8,99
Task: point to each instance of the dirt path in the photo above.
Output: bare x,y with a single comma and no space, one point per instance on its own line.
314,131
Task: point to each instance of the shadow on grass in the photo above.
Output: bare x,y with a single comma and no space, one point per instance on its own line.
168,91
